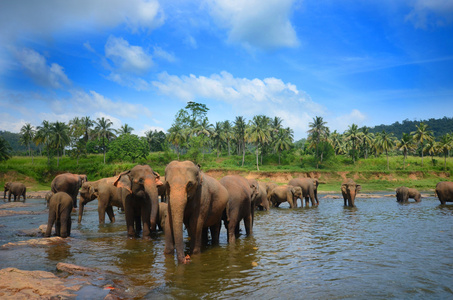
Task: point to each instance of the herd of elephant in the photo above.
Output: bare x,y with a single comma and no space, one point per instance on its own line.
189,197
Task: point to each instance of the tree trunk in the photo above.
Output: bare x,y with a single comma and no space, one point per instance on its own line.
257,166
243,153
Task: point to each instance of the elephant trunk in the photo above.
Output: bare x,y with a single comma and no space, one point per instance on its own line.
81,206
177,206
352,195
151,191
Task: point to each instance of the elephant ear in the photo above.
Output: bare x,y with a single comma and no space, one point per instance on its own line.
358,187
343,188
124,181
157,180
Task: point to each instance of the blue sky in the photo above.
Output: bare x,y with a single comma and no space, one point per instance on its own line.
139,62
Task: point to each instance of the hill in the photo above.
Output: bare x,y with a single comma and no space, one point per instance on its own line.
439,127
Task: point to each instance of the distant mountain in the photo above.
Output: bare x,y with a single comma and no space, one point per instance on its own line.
439,127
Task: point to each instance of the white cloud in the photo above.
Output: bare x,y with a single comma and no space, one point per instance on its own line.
431,13
35,65
341,123
50,16
10,123
146,128
256,23
115,121
248,97
127,58
162,54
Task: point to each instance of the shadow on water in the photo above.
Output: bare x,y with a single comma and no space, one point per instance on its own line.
379,250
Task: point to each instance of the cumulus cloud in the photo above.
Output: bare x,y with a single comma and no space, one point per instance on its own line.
431,13
127,58
248,97
47,17
341,123
36,66
261,24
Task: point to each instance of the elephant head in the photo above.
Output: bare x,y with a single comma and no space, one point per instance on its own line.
7,187
297,192
349,189
184,181
142,182
88,192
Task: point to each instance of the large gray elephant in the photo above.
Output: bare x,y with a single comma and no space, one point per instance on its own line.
239,206
196,200
349,190
403,194
60,208
107,194
17,189
141,203
261,202
285,193
68,183
444,191
309,188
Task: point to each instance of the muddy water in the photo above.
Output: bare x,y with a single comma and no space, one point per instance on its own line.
379,250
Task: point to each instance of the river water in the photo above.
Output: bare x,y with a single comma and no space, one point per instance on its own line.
379,250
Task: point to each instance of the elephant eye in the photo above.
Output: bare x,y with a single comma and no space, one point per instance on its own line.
141,181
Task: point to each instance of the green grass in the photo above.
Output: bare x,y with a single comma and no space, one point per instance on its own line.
371,173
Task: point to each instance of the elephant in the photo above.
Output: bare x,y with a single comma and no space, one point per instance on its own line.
444,191
284,193
17,189
141,202
349,190
162,215
309,188
47,197
162,192
60,208
239,206
68,183
403,194
107,194
261,202
196,200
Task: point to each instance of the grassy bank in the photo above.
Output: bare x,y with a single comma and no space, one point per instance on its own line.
371,173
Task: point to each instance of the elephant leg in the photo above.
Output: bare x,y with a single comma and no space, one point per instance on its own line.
65,222
58,227
9,196
198,236
50,223
289,199
145,216
307,201
215,233
169,240
110,213
248,224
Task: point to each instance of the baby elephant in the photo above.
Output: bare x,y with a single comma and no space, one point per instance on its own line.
403,194
17,189
60,208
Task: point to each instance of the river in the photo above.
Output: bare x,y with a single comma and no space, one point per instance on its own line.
379,250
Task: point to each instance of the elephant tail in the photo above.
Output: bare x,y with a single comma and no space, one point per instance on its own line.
57,210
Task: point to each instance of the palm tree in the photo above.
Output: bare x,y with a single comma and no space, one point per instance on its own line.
60,137
176,136
422,135
406,144
386,142
318,132
336,139
228,133
5,149
258,133
239,132
367,139
431,149
444,146
352,136
218,137
104,131
27,134
124,129
283,141
43,137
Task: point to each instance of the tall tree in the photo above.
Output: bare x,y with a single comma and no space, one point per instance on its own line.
104,131
405,144
228,133
86,124
367,140
422,135
177,137
59,137
386,142
444,146
5,149
352,137
43,137
27,134
258,133
239,132
283,141
124,129
318,132
218,137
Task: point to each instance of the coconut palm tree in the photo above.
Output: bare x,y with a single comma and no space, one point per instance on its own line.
228,133
386,142
124,129
444,147
5,149
318,132
352,137
177,137
104,131
240,128
283,141
406,144
335,139
27,134
431,148
258,133
367,139
218,137
43,137
422,135
60,137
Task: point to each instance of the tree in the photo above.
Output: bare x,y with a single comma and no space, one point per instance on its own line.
218,137
27,134
124,129
5,149
386,142
444,146
127,147
43,137
228,133
283,141
318,132
352,137
258,133
422,135
104,132
59,137
367,139
336,140
155,139
406,144
176,137
431,149
239,133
